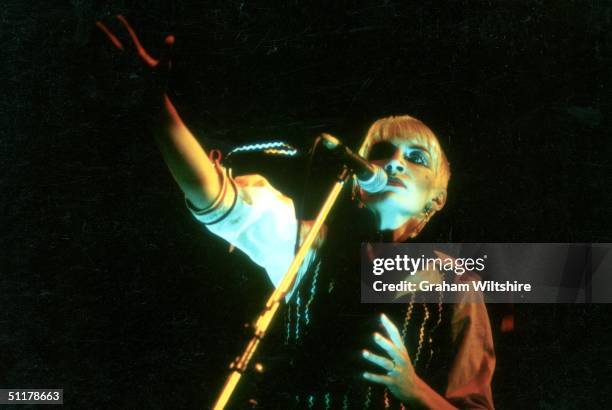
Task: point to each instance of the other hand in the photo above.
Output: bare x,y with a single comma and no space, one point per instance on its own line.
399,375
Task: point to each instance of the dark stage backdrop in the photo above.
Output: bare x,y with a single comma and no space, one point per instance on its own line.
112,292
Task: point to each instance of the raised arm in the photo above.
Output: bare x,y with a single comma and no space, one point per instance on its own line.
187,160
246,211
192,169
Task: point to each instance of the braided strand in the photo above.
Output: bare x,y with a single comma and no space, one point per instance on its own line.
422,334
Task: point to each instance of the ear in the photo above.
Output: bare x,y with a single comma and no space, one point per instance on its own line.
439,199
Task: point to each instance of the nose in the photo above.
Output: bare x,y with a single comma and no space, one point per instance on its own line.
395,164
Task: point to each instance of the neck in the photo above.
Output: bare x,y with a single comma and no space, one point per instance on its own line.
390,221
408,229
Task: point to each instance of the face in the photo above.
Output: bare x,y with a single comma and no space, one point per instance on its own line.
410,188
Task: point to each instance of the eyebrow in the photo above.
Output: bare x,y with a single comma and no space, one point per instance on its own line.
422,148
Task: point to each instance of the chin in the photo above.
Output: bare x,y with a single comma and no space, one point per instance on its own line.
386,199
391,207
390,220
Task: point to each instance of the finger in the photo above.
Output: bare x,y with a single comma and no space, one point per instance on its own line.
165,55
392,331
377,378
389,348
113,38
150,61
383,362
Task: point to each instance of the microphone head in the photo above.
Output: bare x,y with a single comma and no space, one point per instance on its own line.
329,141
376,183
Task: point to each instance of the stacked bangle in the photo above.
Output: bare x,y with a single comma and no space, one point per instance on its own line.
223,203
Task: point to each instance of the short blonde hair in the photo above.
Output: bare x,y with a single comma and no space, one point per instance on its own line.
405,126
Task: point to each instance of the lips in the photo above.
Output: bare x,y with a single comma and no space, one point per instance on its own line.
393,181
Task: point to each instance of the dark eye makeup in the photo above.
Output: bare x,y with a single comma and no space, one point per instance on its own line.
384,150
418,157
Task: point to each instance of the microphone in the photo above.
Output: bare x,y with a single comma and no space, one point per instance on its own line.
371,178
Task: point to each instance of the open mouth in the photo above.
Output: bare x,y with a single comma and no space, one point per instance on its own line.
395,182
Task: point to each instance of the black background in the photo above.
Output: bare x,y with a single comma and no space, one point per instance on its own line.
112,292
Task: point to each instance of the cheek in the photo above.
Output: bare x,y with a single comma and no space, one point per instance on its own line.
419,190
425,184
423,181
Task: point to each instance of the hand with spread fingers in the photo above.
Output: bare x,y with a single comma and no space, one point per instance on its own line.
399,377
196,174
154,70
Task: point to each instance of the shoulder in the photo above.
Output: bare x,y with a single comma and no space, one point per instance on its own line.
256,188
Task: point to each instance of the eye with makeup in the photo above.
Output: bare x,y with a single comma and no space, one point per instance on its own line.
417,157
381,151
385,150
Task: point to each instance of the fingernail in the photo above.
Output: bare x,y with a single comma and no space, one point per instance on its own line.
365,353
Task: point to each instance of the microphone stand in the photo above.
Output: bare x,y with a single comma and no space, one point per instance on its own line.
240,364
